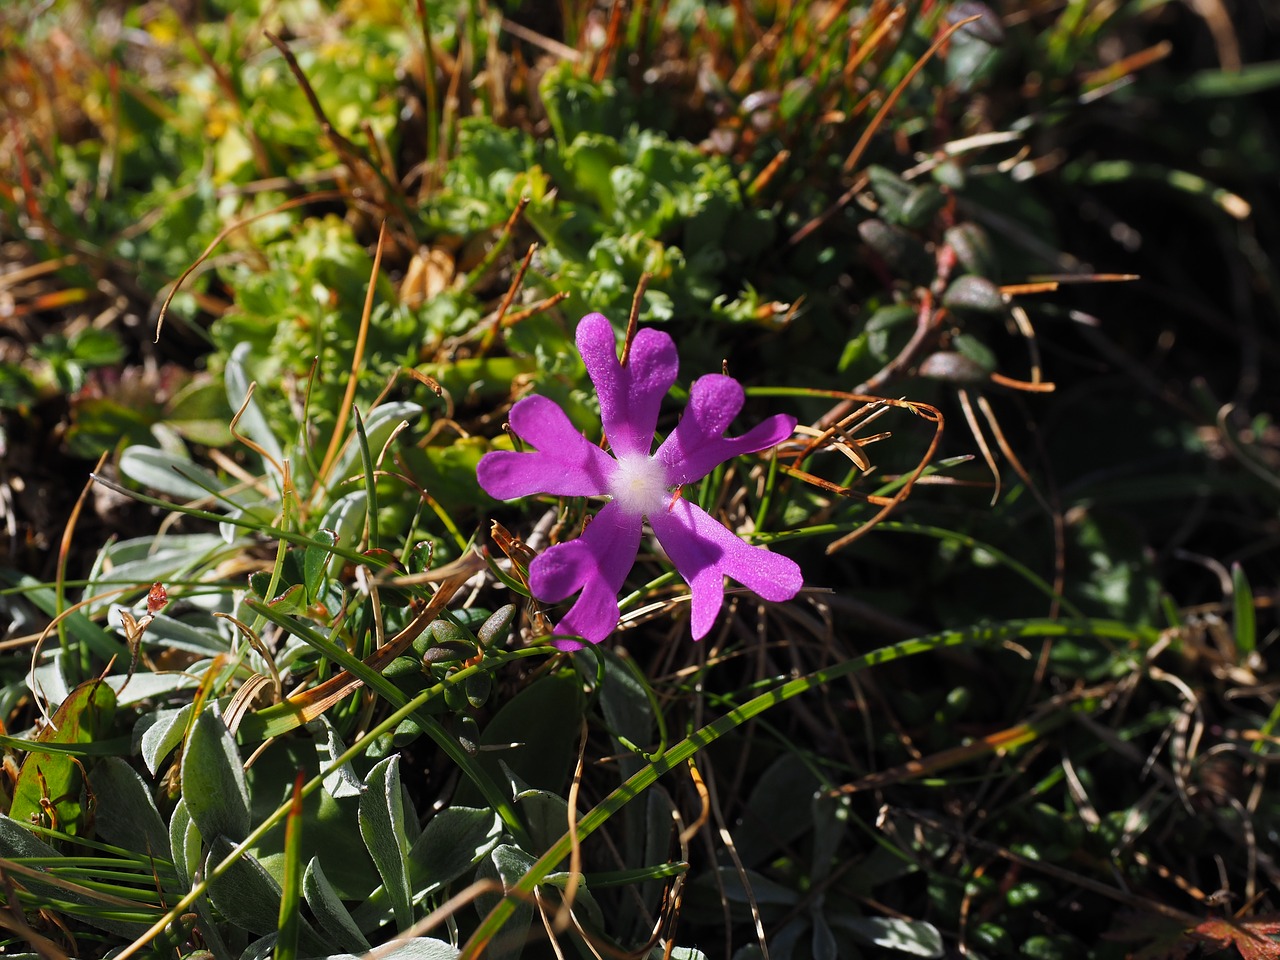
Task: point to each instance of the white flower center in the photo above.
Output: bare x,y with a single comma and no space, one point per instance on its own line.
639,485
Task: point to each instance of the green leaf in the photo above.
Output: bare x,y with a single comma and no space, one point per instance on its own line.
344,523
343,781
755,887
184,841
382,422
415,948
164,472
162,734
127,814
384,829
626,705
329,825
315,564
914,937
539,729
213,782
507,864
246,894
545,814
1244,619
330,913
452,842
50,786
1242,81
779,809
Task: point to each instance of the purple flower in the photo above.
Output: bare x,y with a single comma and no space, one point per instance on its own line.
639,485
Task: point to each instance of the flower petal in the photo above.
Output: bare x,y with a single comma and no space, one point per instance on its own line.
697,445
630,396
596,563
704,552
566,464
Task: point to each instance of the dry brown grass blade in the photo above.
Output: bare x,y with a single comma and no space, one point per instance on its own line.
872,404
873,42
226,232
513,288
633,318
966,408
249,441
356,159
1050,714
891,101
534,309
1125,67
68,532
313,702
1055,514
768,173
357,357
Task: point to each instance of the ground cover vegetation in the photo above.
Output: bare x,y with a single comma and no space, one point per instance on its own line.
280,675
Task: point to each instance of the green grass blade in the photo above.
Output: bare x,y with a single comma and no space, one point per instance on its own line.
989,635
1244,621
291,894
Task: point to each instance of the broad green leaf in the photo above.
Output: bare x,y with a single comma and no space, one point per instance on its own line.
79,627
166,631
161,734
625,705
415,948
452,842
246,894
345,518
762,889
381,422
147,559
823,945
385,831
329,825
778,810
148,686
213,779
830,815
535,734
914,937
330,912
50,787
507,864
315,563
184,841
545,814
164,472
127,814
343,781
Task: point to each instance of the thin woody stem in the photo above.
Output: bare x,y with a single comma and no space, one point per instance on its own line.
634,319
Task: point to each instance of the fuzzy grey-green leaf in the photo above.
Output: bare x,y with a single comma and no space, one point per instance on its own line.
213,779
384,829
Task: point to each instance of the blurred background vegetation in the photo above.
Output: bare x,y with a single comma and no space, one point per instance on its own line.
1054,222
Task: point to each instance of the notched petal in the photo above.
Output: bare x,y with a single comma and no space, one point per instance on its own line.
697,445
630,396
704,552
596,564
565,463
